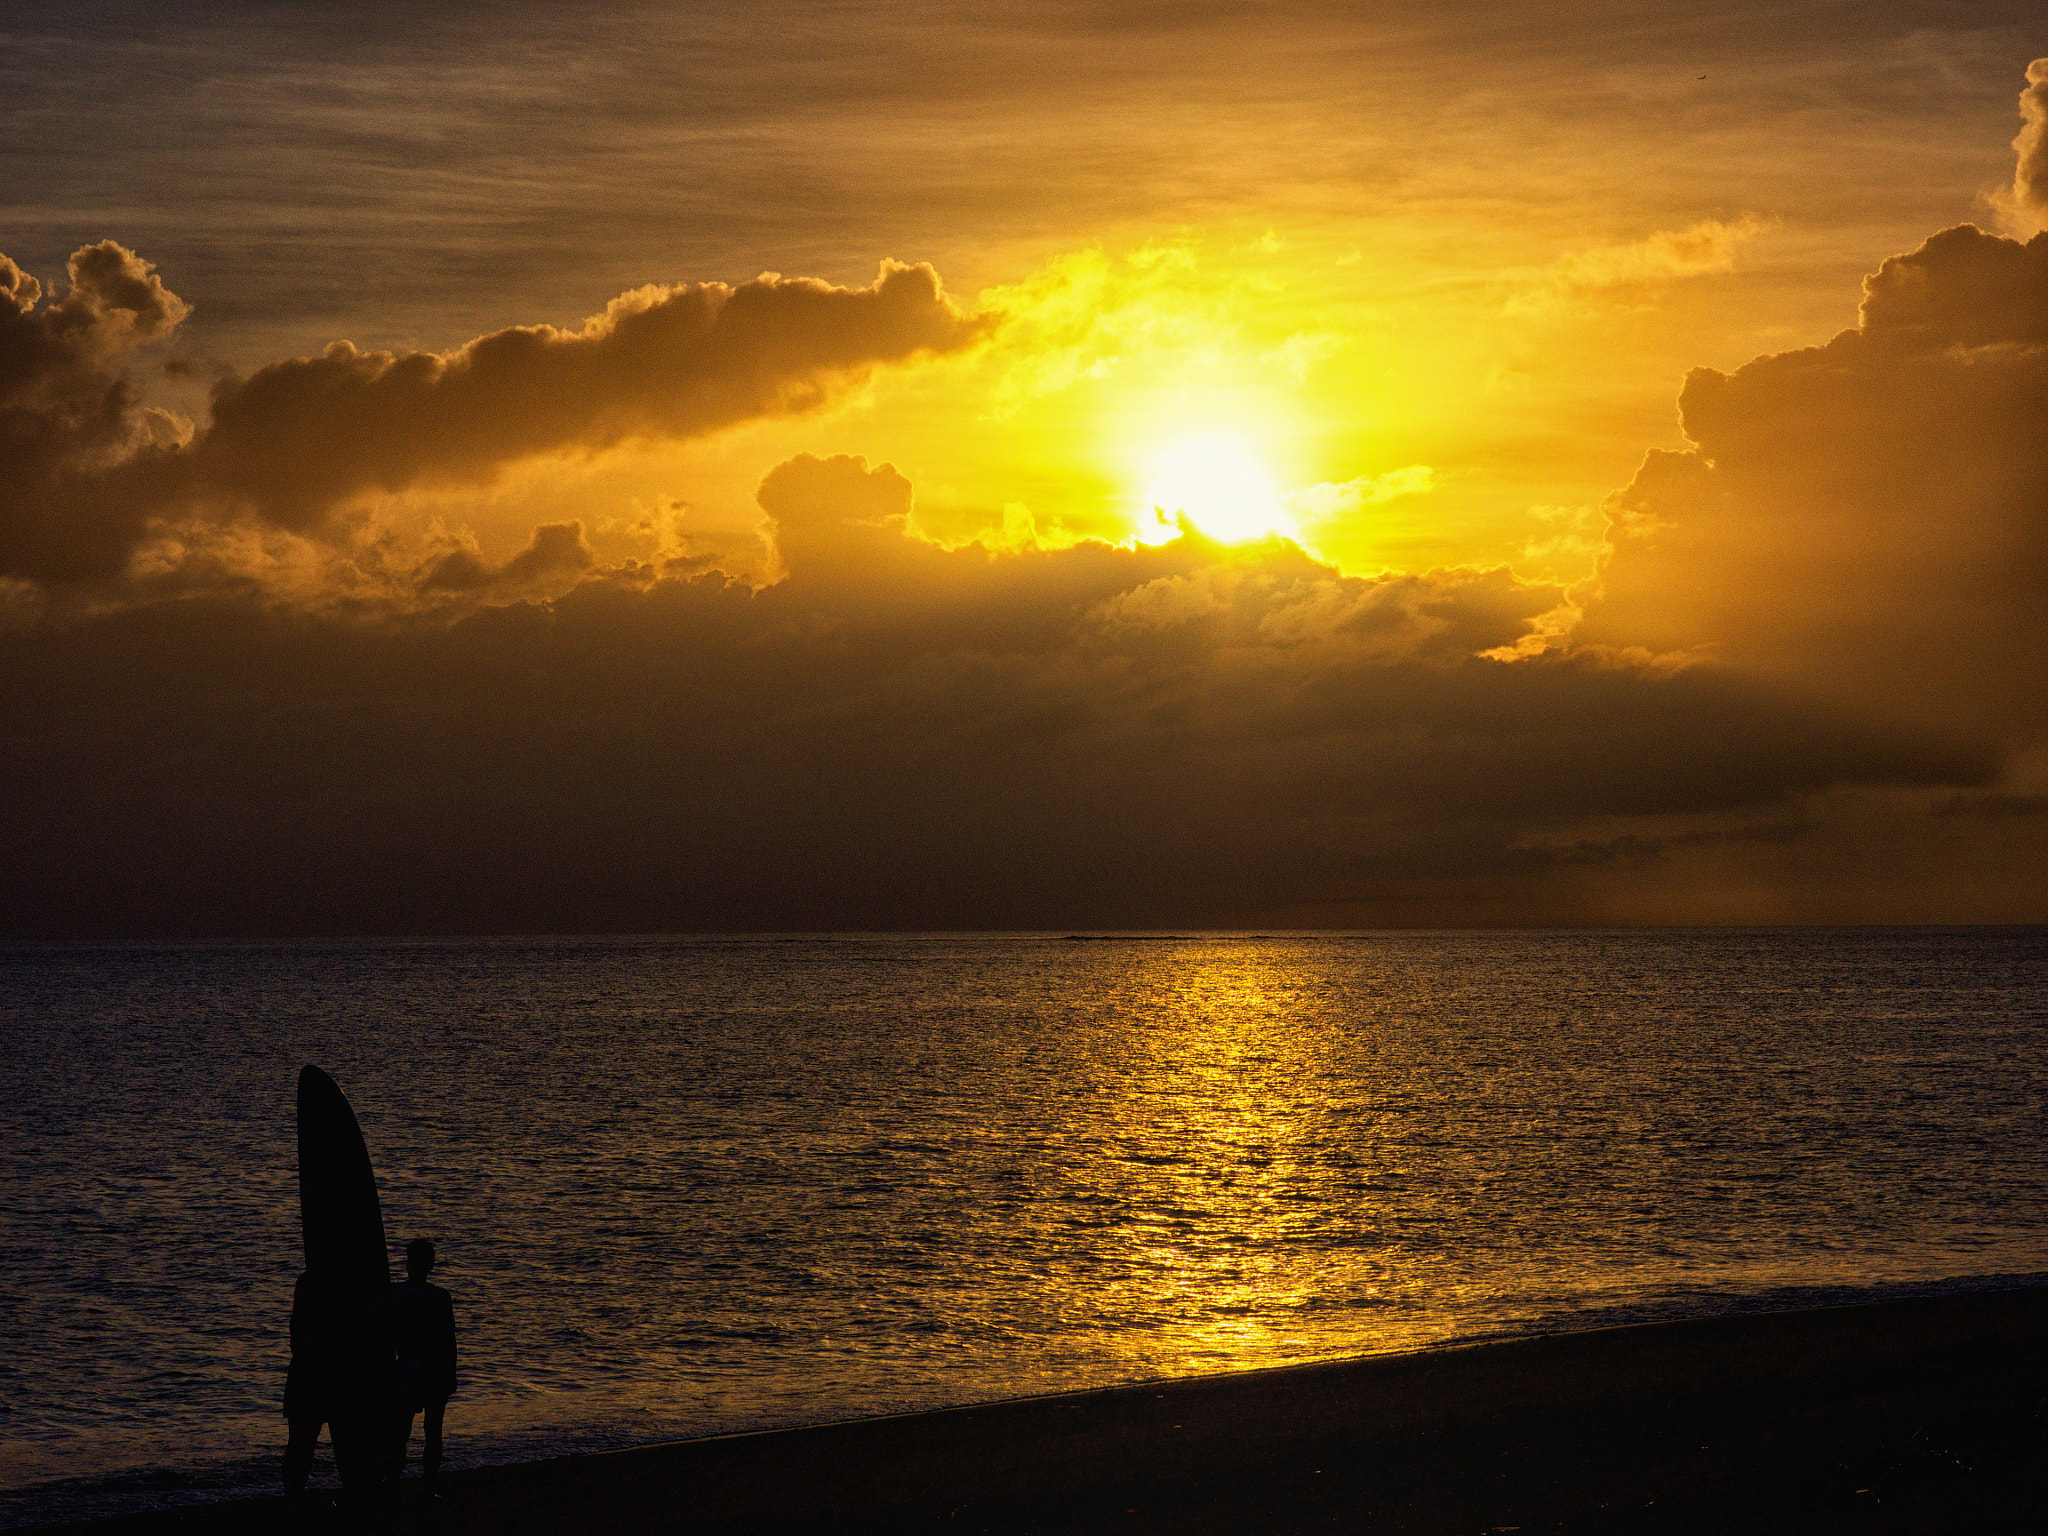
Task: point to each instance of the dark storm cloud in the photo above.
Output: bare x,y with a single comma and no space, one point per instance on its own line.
1868,518
296,440
556,548
72,429
892,735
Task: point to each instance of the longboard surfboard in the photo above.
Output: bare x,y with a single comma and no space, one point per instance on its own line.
338,1207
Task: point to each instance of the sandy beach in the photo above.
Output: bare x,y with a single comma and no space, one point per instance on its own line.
1921,1415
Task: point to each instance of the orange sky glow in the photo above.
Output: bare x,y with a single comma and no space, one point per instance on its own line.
995,466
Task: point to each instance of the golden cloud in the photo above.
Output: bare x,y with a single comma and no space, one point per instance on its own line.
2025,205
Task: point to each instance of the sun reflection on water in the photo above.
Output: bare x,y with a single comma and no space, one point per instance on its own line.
1214,1128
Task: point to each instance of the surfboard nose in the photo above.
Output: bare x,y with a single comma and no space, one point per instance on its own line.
339,1212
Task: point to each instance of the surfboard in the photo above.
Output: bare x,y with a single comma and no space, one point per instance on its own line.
338,1208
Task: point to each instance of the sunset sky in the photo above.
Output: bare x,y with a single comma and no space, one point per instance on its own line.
491,468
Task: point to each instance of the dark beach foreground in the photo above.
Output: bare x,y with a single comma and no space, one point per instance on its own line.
1921,1415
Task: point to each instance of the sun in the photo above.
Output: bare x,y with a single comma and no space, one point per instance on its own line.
1216,482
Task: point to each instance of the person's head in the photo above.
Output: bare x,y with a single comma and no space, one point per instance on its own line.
419,1258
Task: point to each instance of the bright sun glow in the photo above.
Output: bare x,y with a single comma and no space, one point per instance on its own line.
1219,484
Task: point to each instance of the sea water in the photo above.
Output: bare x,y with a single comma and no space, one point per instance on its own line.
688,1185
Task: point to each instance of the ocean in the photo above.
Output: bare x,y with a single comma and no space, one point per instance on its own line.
689,1185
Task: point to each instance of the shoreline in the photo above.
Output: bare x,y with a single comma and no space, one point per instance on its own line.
1922,1414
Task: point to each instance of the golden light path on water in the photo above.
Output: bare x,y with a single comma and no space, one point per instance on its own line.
1225,1127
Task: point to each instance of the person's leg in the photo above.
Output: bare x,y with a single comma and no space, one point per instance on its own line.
356,1449
298,1453
431,1459
401,1440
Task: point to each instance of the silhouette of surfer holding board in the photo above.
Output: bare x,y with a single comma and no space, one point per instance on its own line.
318,1389
366,1355
340,1373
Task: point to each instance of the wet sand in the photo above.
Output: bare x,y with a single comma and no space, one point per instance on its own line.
1919,1416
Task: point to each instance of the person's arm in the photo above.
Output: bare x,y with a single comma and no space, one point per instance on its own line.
446,1343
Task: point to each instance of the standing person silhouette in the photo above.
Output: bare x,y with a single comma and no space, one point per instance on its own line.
422,1320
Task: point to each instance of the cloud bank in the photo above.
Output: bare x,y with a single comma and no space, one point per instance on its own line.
1805,684
87,470
898,735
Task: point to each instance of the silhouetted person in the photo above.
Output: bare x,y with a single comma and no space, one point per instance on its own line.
422,1323
339,1377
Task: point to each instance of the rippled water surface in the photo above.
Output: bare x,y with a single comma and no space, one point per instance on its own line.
682,1185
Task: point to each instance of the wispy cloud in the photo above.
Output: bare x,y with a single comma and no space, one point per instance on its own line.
1628,272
